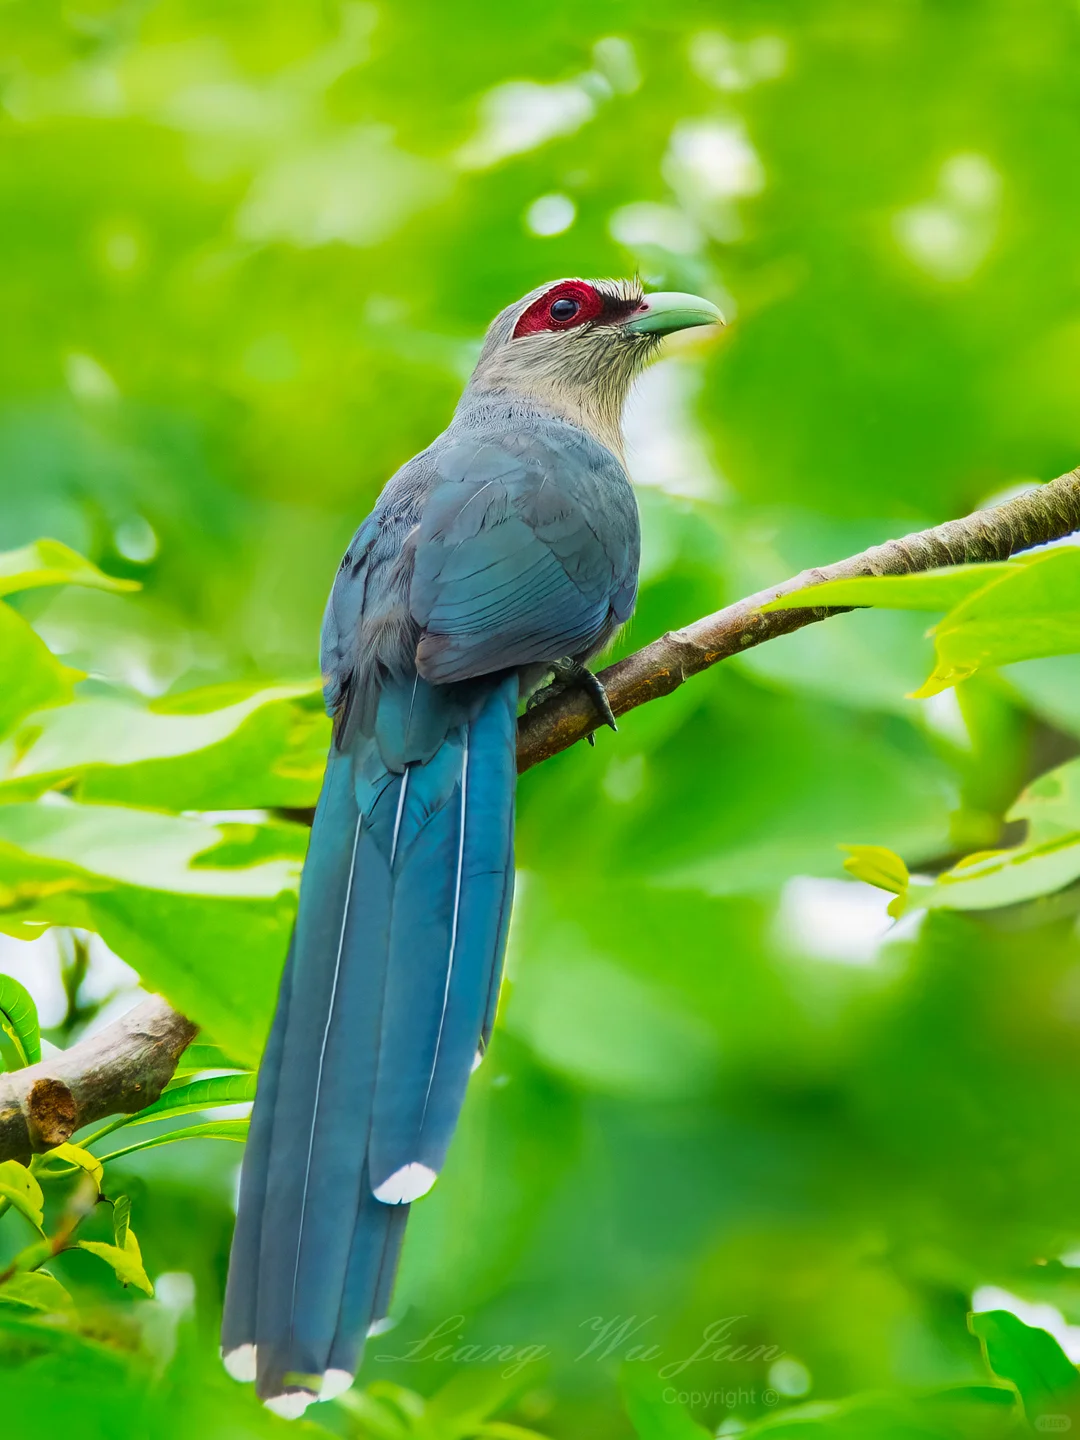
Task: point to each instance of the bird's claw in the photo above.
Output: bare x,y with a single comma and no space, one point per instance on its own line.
569,673
594,688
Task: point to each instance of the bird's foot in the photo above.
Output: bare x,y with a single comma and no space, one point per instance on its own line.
572,674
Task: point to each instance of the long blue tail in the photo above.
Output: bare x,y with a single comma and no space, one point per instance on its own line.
388,996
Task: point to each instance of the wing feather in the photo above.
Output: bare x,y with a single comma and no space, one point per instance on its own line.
526,551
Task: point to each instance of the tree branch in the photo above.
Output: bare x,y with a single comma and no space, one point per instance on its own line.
126,1067
121,1070
1047,513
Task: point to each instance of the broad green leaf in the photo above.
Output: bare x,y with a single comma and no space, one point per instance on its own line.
380,1420
927,590
33,679
1031,1359
654,1406
1032,610
65,1159
48,562
265,749
38,1290
121,1217
33,1256
210,939
997,613
20,1189
217,959
212,1130
140,848
34,892
19,1021
204,1055
471,1397
126,1261
199,1095
1006,877
972,1412
246,844
503,1430
1051,804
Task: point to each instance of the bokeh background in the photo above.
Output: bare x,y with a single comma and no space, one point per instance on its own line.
247,255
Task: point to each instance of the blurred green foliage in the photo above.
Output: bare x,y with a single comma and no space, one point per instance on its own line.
742,1154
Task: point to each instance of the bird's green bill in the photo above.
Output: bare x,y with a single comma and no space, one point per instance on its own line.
670,310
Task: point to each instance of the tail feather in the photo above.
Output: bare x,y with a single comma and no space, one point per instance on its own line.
317,1155
487,842
242,1292
373,1260
394,974
336,808
496,970
423,964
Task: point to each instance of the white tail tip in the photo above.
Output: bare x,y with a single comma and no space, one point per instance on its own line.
335,1383
478,1060
240,1363
291,1405
406,1184
380,1327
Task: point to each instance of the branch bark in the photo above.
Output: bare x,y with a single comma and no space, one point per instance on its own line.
1047,513
121,1070
127,1065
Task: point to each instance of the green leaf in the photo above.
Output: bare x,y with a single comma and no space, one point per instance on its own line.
121,1217
48,562
1006,877
927,590
380,1419
1032,610
211,939
472,1397
199,1095
204,1055
19,1022
38,1290
212,1130
960,1413
35,893
502,1430
33,1256
66,1159
997,613
125,1260
1031,1360
1051,804
875,865
266,748
138,847
654,1407
33,679
21,1190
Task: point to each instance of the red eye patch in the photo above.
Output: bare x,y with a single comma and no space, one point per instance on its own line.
561,308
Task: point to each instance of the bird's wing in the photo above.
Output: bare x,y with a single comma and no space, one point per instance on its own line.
526,551
341,620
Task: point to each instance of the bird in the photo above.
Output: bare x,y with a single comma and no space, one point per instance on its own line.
504,554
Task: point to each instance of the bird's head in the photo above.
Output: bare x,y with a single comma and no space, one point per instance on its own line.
575,346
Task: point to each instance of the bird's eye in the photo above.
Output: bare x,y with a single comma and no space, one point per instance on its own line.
564,309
